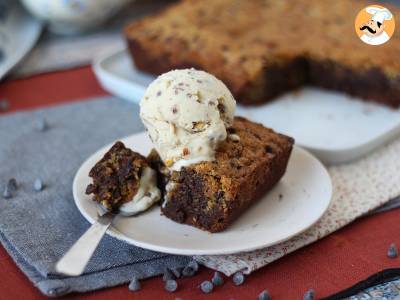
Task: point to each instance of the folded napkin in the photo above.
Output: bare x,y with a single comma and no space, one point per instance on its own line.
36,228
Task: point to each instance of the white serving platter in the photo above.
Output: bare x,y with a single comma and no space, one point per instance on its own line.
335,127
295,203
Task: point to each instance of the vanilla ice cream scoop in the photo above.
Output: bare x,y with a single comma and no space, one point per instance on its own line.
186,113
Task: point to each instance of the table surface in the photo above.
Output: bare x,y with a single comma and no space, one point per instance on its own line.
328,266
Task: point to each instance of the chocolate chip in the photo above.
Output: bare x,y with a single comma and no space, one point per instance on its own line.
264,295
38,185
171,285
42,125
174,110
191,269
7,193
168,275
206,287
309,295
177,272
158,93
12,184
269,149
217,279
90,189
194,265
134,285
221,108
392,251
188,271
238,278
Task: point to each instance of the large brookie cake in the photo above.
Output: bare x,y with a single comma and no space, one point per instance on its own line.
263,48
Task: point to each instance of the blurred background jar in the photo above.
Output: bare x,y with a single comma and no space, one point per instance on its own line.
74,16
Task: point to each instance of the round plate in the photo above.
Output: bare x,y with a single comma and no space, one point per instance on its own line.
296,203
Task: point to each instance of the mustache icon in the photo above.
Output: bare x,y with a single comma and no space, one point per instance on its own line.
368,28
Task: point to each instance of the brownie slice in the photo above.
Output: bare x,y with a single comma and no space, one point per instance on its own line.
210,195
116,177
263,48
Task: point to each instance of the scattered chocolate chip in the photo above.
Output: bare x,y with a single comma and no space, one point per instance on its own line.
194,265
38,185
217,279
191,269
199,81
238,278
12,184
174,110
392,251
171,285
158,93
221,108
168,275
177,272
206,287
7,193
134,285
188,271
309,295
4,105
42,125
264,295
280,196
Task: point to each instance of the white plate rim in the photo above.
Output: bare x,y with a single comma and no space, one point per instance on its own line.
112,231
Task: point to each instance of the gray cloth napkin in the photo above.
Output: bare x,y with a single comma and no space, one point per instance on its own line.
36,228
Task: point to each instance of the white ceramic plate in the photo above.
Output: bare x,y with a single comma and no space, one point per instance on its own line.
296,203
19,32
334,126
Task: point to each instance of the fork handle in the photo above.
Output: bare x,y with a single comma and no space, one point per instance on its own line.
73,262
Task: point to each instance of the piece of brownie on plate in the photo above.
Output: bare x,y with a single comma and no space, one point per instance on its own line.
211,195
123,181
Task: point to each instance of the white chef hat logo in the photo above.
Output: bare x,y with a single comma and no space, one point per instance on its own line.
379,14
374,25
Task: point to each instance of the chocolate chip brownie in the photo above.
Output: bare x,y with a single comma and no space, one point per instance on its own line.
116,177
210,195
263,48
